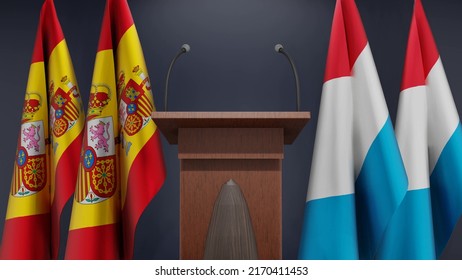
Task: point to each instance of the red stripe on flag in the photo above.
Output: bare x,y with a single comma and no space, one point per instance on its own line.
123,15
413,73
15,183
117,18
143,105
145,112
105,36
80,180
145,101
69,116
65,179
347,40
338,64
26,238
79,184
72,111
18,180
49,32
93,243
355,34
145,178
427,43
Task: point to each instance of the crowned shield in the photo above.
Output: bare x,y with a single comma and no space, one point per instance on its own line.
97,177
30,170
64,113
135,106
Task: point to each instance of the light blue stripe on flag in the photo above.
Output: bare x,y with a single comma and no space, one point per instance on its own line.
409,235
329,229
446,190
380,188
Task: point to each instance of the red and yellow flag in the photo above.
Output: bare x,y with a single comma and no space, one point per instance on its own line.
48,147
122,165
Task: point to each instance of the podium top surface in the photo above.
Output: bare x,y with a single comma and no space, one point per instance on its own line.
291,122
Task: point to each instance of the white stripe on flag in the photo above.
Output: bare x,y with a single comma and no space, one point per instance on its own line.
411,133
370,108
331,168
443,118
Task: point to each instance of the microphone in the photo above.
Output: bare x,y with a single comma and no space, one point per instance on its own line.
184,49
280,49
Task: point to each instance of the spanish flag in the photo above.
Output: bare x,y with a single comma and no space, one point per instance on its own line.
122,166
48,147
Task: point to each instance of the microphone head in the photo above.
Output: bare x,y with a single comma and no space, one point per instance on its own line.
185,48
278,48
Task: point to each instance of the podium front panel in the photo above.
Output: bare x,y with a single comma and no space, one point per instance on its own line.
209,157
214,147
260,182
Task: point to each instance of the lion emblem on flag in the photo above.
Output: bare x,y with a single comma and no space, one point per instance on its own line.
97,175
30,169
32,137
100,134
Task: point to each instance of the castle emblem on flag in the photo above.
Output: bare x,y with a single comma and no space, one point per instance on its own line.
98,170
30,171
135,106
63,111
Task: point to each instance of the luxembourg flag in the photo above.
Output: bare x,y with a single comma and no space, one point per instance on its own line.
357,178
430,138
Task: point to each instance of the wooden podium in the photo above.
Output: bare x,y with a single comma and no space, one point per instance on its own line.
214,147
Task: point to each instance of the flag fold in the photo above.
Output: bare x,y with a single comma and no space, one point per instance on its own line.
357,178
121,167
430,138
48,147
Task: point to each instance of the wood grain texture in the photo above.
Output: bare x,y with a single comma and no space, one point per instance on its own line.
215,147
260,182
291,122
230,143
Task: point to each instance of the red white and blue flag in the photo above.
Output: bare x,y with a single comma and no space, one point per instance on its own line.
430,138
357,178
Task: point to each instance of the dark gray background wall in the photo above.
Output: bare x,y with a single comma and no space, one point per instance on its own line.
232,67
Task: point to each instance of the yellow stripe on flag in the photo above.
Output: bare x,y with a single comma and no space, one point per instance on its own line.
60,65
107,211
29,205
36,85
84,215
129,55
104,75
38,203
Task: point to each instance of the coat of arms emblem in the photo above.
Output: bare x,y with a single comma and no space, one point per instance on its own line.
63,112
97,177
30,170
135,106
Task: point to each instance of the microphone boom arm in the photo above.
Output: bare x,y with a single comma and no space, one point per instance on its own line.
280,49
184,49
